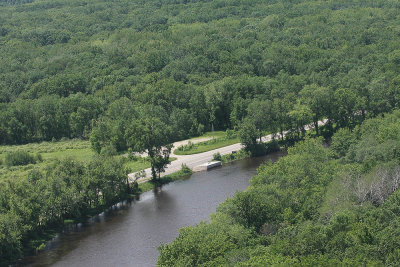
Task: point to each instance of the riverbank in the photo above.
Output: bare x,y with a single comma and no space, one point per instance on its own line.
184,173
128,234
197,159
192,160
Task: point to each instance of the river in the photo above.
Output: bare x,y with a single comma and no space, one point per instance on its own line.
129,234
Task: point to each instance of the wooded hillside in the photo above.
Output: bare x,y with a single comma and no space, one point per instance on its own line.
131,75
71,66
315,207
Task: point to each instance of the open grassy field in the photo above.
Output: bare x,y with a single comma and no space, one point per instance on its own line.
79,149
50,151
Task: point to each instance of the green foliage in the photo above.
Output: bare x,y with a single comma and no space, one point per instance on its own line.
142,76
341,142
248,135
195,148
186,147
217,156
230,134
205,63
10,238
20,157
241,154
185,170
65,190
379,141
205,244
108,151
316,206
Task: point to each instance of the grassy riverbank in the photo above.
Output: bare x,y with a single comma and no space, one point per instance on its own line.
184,173
221,139
50,152
265,149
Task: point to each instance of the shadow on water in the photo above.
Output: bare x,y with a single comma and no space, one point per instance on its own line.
129,233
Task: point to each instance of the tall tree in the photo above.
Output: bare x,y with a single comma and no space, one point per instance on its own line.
317,99
153,136
261,113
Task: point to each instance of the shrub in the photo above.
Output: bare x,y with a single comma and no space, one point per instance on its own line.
217,156
109,151
186,147
230,134
38,157
133,157
341,142
18,158
241,154
185,170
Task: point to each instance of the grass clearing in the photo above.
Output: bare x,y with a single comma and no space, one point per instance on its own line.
75,148
135,166
217,134
84,154
205,146
50,151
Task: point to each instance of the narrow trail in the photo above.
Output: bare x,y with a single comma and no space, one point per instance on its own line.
197,159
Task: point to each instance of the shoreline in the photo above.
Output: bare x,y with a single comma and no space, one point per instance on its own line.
146,184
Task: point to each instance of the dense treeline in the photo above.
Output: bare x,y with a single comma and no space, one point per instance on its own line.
66,190
317,206
65,64
49,117
140,74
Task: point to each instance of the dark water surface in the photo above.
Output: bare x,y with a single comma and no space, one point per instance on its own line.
130,234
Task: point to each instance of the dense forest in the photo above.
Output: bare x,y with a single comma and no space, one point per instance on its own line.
134,74
335,206
66,190
72,66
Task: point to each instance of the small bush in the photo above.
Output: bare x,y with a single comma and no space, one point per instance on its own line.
34,176
186,147
185,170
38,157
241,154
200,129
217,156
230,134
264,148
18,158
133,157
108,151
273,146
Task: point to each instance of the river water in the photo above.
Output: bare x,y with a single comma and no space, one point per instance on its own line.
128,235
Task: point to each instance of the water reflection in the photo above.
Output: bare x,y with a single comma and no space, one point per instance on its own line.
129,233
